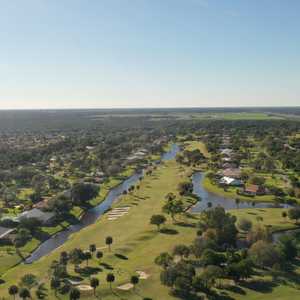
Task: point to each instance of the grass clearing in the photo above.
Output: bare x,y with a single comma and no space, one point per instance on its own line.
193,145
271,217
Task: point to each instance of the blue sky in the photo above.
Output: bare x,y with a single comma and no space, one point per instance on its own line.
149,53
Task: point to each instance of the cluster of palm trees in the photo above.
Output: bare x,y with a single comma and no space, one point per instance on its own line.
76,256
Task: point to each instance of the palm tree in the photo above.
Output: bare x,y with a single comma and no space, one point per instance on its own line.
94,284
64,257
110,278
55,284
237,202
24,293
93,248
134,280
99,254
13,290
109,241
284,214
74,294
87,256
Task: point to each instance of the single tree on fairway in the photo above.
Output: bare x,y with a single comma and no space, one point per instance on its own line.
29,281
158,220
284,214
87,257
181,250
55,284
93,248
74,294
13,291
108,242
134,280
294,213
94,284
76,257
24,293
99,255
64,257
164,260
110,278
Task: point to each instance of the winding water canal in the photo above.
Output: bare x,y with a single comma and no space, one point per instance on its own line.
93,214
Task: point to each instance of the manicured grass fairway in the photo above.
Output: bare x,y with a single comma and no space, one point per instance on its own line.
133,237
193,145
272,217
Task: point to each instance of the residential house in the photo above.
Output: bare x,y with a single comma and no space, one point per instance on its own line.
6,233
44,217
253,190
234,173
229,181
226,152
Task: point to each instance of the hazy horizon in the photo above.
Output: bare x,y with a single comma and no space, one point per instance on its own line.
65,54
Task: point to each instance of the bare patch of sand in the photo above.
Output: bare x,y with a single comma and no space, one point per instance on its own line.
125,287
143,275
84,287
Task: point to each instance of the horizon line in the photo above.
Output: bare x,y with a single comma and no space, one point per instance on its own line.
144,108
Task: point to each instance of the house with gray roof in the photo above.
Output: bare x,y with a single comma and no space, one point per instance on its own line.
5,233
44,217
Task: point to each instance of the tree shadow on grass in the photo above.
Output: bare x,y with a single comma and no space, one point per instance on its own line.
235,289
106,266
41,235
260,286
168,231
88,271
186,224
121,256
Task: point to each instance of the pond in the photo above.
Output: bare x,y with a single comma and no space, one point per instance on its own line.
215,200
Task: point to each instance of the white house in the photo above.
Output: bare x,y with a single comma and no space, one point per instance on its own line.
225,180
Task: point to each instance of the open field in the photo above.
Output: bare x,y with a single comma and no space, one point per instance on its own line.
271,217
193,145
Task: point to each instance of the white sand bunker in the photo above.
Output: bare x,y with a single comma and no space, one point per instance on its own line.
143,275
84,287
118,212
125,287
